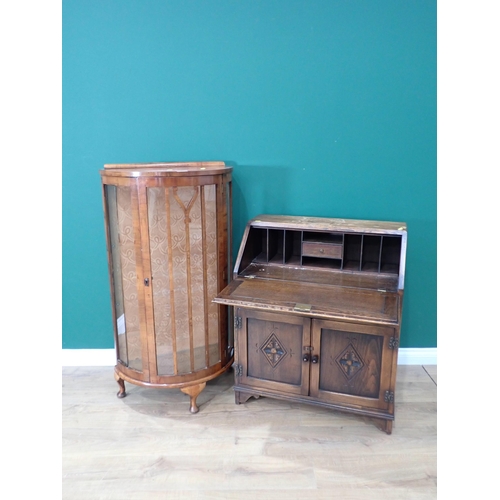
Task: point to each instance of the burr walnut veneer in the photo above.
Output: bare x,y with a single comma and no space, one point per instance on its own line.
317,316
168,236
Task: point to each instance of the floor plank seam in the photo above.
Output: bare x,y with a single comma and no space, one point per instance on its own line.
430,376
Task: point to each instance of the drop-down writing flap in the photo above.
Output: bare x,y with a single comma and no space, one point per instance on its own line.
325,301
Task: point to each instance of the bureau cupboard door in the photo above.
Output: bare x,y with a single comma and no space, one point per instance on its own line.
354,364
271,350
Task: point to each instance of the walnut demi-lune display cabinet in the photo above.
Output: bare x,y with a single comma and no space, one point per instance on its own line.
318,305
168,229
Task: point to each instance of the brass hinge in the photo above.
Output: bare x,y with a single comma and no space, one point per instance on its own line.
393,343
302,307
237,322
238,370
389,397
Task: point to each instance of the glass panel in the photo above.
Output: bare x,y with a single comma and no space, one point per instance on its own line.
183,244
161,285
195,274
179,199
116,272
124,275
212,272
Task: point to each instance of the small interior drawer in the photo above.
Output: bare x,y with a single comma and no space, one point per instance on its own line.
320,249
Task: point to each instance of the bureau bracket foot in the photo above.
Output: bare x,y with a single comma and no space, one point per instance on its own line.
387,427
193,391
382,424
243,397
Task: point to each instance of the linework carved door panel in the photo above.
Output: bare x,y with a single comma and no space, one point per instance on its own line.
354,365
273,347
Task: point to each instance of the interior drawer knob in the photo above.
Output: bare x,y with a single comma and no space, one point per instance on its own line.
315,358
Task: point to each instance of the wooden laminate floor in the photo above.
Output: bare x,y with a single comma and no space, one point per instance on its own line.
148,445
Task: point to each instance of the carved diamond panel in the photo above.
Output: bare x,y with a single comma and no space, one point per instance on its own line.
350,362
273,350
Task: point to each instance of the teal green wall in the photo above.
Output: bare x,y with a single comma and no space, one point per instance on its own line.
323,108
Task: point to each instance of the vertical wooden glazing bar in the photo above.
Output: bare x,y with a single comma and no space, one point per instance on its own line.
189,295
148,285
218,225
187,210
230,315
134,198
206,301
171,279
222,260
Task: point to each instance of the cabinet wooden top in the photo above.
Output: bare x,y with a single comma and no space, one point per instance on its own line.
327,224
179,169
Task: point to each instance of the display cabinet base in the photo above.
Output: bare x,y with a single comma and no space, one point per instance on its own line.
192,388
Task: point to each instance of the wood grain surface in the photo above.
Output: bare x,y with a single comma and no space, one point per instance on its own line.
146,446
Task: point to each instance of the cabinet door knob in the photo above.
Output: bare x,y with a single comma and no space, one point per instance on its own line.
315,358
305,358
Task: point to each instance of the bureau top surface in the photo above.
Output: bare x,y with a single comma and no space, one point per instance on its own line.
165,169
327,224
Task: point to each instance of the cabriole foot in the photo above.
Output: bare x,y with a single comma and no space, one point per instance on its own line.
193,391
121,393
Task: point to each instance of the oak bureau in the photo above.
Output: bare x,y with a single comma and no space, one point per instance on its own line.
317,308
